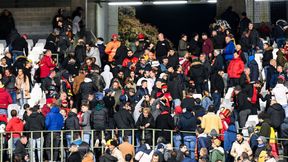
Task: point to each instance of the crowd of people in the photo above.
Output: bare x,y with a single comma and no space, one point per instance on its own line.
92,87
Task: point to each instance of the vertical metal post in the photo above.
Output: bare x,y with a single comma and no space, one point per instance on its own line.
1,147
11,135
92,140
31,145
171,137
52,144
42,139
102,147
153,139
133,137
62,146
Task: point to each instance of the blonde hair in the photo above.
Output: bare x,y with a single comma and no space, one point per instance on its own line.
146,109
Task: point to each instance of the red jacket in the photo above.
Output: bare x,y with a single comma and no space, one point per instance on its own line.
207,46
235,68
15,125
46,64
132,60
45,110
5,98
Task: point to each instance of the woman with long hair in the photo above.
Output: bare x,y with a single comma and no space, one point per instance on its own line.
23,87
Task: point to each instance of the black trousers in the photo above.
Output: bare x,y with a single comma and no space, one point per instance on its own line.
56,143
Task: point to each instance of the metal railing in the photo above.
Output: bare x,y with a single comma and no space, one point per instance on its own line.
62,148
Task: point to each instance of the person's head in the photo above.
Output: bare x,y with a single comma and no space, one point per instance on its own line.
279,69
121,74
239,137
48,53
23,140
14,113
204,36
155,158
237,89
144,83
199,130
227,39
216,143
160,36
84,107
216,53
20,72
262,116
28,64
203,151
3,61
89,61
238,47
128,157
250,26
125,138
130,53
146,112
115,85
202,57
73,148
273,62
214,33
165,60
266,45
26,106
76,136
247,71
112,145
74,110
221,73
261,140
211,108
114,37
63,113
8,55
52,73
183,147
8,72
280,80
243,14
184,37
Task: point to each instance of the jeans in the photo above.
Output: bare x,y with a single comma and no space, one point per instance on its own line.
15,54
13,95
190,142
216,100
68,139
243,115
246,57
285,107
14,140
177,141
22,100
36,144
87,138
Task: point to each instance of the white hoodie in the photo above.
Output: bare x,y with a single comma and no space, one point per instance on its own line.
107,75
94,52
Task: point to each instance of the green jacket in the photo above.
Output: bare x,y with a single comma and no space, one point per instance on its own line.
217,154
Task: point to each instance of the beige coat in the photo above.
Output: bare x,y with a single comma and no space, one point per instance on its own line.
238,149
24,86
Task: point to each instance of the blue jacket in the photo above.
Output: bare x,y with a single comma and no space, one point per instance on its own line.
54,120
230,137
229,51
187,122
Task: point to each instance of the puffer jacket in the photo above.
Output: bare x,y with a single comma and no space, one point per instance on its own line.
98,81
15,125
198,72
46,64
235,68
54,120
87,87
277,115
99,116
72,122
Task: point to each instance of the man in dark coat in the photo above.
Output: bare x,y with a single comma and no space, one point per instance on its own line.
217,88
277,115
20,151
187,122
71,123
243,106
162,47
217,63
99,118
264,123
18,46
163,121
52,41
123,119
199,75
284,134
175,87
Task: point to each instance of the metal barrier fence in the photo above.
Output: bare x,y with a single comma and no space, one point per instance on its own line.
94,135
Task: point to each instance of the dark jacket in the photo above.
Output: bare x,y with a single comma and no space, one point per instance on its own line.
164,121
218,41
72,122
99,116
198,73
265,129
51,43
75,156
35,122
20,44
187,122
267,56
121,53
188,102
194,47
217,84
244,24
242,102
123,119
80,53
254,37
254,70
284,131
271,70
218,64
277,115
142,121
87,87
107,158
175,86
9,82
20,150
245,44
162,48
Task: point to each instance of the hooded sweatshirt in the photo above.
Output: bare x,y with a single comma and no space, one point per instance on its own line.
217,154
107,75
15,125
54,120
